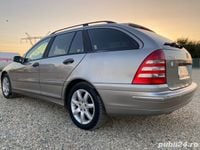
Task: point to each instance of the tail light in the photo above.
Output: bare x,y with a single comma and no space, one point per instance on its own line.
152,70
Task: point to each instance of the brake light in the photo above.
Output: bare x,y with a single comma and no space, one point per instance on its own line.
152,70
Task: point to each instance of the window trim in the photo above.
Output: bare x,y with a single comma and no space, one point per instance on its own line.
85,51
120,30
49,47
87,42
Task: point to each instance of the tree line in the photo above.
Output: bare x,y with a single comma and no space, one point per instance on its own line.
192,46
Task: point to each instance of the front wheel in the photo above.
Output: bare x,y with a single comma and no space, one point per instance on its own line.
85,107
6,86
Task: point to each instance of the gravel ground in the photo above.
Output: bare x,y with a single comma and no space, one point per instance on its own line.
27,123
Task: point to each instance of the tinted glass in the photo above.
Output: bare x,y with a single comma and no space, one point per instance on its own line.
77,44
111,39
38,50
61,44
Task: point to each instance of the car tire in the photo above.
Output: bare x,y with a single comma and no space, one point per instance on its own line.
6,87
85,107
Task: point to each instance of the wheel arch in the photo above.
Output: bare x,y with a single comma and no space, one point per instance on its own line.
74,82
2,74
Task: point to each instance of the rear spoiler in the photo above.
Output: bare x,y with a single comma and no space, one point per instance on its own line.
173,44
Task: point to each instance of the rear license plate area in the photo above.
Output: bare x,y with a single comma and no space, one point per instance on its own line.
183,72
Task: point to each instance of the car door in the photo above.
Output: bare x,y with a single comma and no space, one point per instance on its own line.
25,76
65,54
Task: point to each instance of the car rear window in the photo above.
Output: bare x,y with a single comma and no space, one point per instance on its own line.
158,38
111,39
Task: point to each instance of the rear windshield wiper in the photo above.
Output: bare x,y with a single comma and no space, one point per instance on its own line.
173,44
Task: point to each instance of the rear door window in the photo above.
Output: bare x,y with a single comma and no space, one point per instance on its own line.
61,44
110,40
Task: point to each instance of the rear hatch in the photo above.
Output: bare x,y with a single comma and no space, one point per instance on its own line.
178,61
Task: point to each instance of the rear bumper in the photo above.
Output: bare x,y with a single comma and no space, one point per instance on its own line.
147,103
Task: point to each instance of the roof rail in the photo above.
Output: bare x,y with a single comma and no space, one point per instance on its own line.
83,25
139,27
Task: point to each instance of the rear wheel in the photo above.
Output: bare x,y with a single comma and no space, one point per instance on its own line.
6,87
85,107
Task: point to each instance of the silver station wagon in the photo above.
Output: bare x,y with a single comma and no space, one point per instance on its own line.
104,68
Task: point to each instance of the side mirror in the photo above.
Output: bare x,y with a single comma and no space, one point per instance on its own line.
19,59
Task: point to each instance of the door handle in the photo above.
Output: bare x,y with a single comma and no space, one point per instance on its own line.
36,64
68,61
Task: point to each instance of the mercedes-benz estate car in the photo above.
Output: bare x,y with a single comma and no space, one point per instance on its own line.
104,68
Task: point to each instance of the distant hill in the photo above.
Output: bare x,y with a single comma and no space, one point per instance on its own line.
8,54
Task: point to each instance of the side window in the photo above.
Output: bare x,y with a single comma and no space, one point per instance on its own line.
77,44
111,39
61,44
38,50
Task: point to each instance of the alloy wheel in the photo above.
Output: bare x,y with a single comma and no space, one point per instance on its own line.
82,106
6,86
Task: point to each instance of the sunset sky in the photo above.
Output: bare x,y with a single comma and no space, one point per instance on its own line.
171,18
